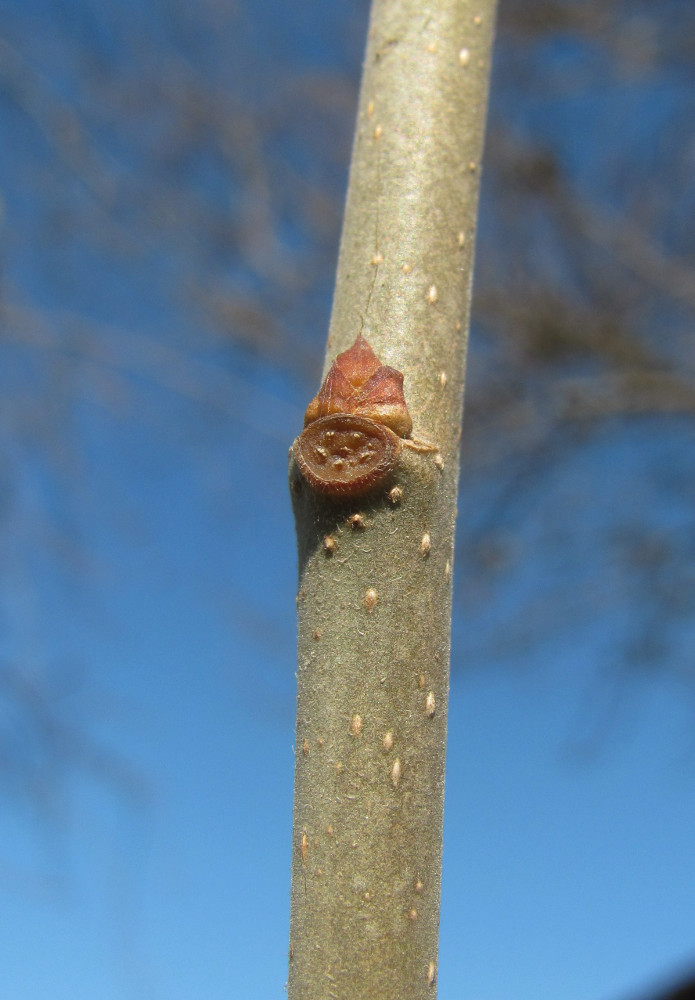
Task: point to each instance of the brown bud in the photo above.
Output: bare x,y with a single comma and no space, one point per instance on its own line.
353,428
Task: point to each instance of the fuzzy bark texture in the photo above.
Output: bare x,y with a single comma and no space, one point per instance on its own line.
375,574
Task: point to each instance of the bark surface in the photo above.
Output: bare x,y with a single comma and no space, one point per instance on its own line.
374,598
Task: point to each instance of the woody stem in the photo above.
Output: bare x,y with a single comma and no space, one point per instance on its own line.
374,600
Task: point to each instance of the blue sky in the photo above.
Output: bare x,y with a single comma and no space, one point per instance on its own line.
148,573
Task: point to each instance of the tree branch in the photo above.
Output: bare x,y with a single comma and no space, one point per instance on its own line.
374,598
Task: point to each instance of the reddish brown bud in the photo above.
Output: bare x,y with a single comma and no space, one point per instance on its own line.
358,383
353,428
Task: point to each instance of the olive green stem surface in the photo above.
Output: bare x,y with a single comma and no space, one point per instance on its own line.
375,574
